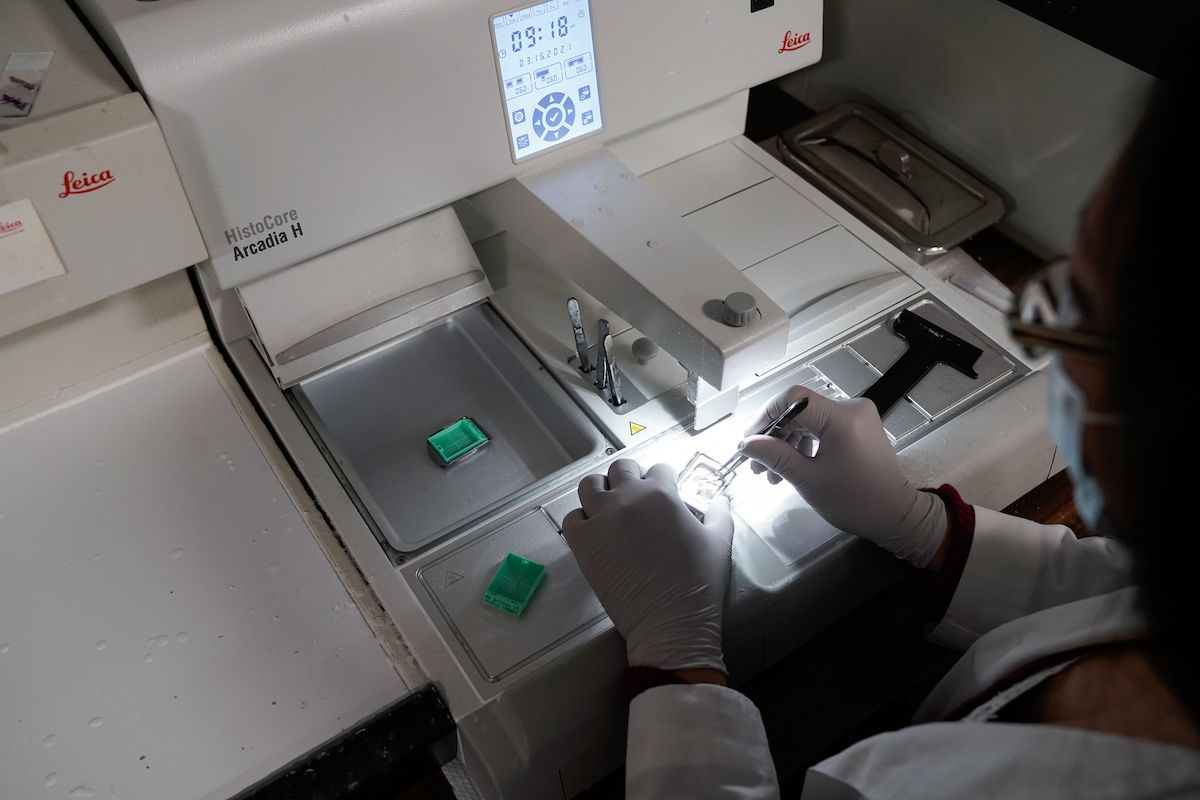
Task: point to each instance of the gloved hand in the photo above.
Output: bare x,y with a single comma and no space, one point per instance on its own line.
854,480
659,572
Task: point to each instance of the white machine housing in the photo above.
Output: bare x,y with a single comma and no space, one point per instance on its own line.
341,98
378,128
361,115
92,162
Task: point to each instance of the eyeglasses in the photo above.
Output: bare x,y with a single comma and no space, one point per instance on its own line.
1044,315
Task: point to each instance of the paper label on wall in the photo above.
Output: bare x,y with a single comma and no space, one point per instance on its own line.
27,256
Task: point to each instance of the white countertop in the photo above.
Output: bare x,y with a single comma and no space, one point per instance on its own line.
169,625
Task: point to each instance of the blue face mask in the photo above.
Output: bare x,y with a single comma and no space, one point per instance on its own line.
1068,416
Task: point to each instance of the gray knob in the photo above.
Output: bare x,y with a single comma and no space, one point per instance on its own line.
644,349
740,309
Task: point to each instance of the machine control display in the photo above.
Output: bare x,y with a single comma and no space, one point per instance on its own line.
547,70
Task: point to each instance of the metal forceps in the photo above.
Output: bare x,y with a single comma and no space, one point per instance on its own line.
773,429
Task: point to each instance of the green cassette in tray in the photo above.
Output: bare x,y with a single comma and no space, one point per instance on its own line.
456,441
514,584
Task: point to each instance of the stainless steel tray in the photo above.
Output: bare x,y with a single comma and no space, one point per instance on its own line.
914,196
372,416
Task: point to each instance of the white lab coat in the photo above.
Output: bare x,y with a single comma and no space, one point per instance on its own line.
1028,593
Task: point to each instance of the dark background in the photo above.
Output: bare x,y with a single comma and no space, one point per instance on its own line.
1143,34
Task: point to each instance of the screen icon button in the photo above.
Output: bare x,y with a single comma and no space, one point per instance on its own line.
579,64
517,86
548,75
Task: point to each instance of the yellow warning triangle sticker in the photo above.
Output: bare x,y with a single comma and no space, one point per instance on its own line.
635,429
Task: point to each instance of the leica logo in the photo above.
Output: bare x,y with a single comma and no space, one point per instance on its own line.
794,41
10,227
85,183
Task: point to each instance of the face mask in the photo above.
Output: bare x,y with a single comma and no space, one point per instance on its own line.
1068,416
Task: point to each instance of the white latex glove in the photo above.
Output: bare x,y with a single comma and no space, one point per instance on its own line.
854,481
659,572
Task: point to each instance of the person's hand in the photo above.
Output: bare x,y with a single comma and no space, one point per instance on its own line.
854,480
659,572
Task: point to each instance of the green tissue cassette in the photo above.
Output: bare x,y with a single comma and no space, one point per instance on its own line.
455,441
514,584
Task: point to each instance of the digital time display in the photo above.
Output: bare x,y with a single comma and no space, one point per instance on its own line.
547,71
533,34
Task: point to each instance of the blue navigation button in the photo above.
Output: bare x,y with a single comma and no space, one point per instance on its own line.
553,116
587,118
518,116
585,92
523,141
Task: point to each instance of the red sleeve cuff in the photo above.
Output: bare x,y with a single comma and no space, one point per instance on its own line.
935,588
640,678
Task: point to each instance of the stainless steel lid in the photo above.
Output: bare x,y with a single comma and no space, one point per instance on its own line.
911,194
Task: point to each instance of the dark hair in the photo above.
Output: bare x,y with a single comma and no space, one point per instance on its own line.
1156,232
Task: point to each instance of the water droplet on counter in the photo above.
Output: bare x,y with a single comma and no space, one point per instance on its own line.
100,645
4,648
95,722
51,779
161,640
181,637
601,187
605,210
177,552
272,569
230,586
50,740
95,556
654,244
82,790
148,658
274,499
577,222
224,456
